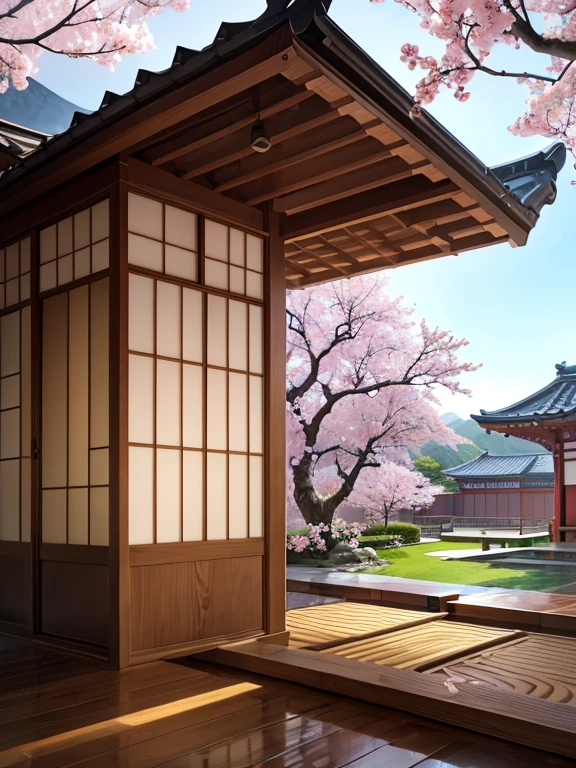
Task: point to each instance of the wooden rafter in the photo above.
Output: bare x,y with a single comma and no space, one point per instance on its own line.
325,265
327,168
356,236
392,198
285,126
229,127
346,256
387,170
310,146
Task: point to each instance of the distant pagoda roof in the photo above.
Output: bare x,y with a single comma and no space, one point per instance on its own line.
522,465
554,402
17,141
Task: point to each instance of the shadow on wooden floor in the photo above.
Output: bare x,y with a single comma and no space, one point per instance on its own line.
57,711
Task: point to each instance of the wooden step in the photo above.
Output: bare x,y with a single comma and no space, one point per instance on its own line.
418,647
322,625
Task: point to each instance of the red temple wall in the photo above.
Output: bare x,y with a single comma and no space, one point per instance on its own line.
533,504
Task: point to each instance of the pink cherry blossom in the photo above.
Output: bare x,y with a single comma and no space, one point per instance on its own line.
472,29
361,383
321,535
392,488
97,29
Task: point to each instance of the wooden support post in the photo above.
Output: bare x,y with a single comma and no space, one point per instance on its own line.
559,490
119,547
275,443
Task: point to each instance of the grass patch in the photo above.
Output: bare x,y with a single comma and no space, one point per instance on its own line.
412,563
376,541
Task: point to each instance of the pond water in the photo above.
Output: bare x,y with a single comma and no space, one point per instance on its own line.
541,556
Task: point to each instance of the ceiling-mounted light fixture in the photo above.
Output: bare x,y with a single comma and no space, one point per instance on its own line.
259,140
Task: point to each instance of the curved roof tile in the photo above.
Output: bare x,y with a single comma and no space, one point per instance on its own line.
555,401
504,466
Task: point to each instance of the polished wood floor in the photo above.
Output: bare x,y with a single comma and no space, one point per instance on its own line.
58,711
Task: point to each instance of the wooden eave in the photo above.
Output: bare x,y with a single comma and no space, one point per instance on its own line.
544,434
359,186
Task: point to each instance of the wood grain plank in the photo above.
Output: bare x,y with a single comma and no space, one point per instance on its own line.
521,719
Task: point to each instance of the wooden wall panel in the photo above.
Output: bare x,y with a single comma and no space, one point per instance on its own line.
75,601
15,585
179,603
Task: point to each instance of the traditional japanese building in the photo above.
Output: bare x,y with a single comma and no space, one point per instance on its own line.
144,260
548,417
500,489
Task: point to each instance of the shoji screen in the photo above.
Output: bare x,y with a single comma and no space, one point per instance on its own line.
15,273
75,439
15,426
195,378
75,247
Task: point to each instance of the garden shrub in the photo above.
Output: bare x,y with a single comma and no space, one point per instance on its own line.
409,533
378,542
375,530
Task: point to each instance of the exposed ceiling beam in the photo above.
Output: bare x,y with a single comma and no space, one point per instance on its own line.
427,137
282,127
326,168
360,239
391,198
351,182
211,133
142,176
302,149
319,260
346,256
447,210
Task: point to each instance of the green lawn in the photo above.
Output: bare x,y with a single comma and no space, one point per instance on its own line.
412,563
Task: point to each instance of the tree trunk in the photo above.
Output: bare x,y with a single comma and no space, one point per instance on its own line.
313,509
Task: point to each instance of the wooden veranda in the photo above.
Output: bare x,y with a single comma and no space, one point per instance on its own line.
59,711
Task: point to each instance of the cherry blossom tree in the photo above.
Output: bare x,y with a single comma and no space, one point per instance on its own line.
97,29
472,29
361,377
391,488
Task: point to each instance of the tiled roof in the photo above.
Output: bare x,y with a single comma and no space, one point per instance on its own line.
556,401
505,466
16,142
529,181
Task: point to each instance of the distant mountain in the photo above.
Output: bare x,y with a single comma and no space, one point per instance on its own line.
451,420
495,443
450,457
38,108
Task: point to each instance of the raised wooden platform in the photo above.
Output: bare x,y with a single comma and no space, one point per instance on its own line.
323,625
538,611
541,665
420,646
196,715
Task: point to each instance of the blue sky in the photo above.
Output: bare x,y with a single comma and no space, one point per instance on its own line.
515,306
